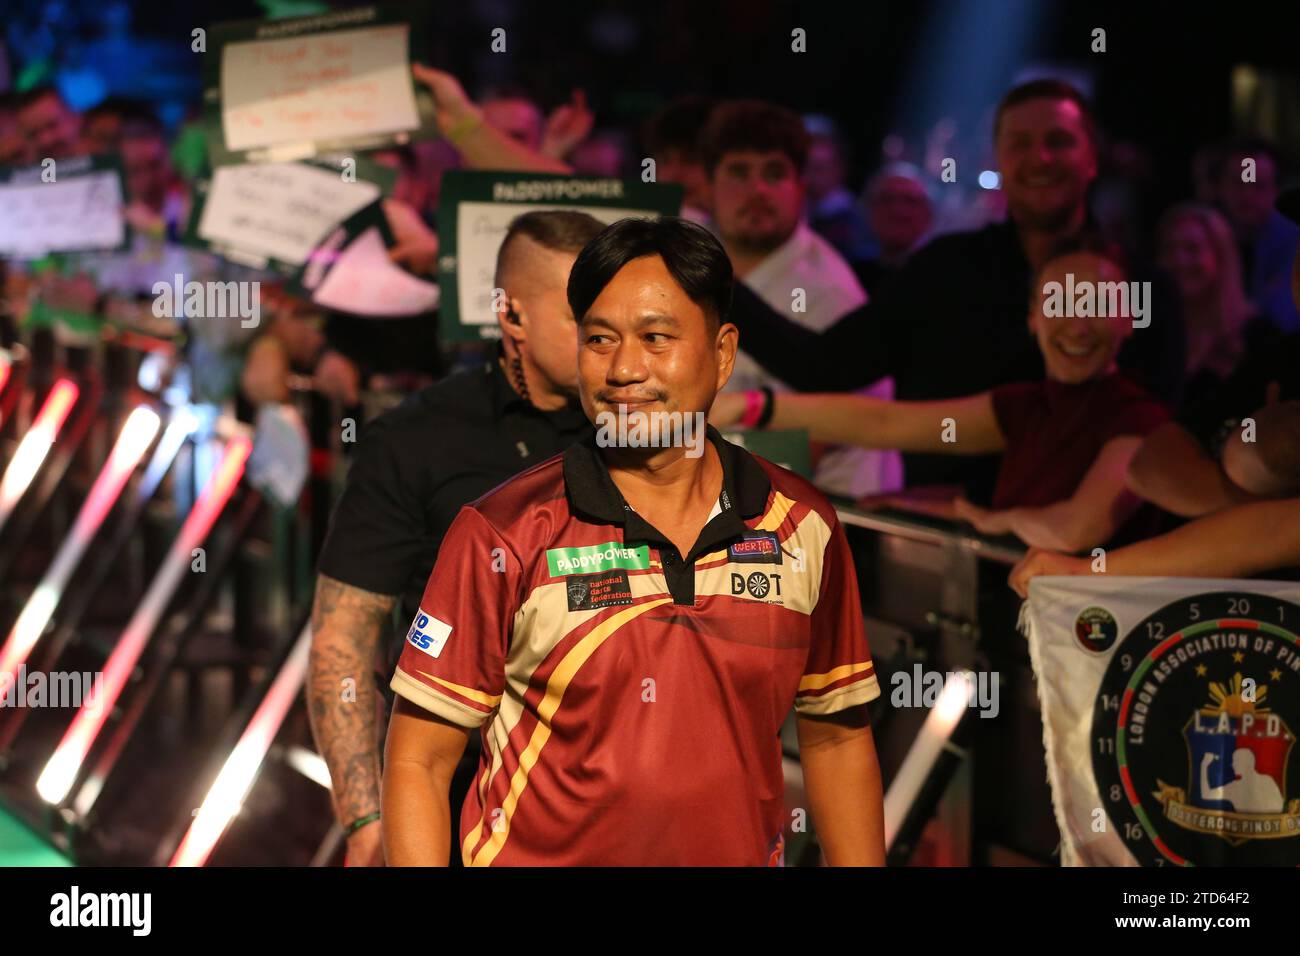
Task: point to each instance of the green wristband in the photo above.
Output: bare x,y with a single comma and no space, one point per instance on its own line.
360,822
464,127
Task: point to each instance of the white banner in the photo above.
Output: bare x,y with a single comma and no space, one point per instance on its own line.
1170,708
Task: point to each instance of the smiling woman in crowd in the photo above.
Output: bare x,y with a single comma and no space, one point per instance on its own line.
1066,441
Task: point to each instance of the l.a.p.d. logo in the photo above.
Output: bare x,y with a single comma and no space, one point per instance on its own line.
1193,733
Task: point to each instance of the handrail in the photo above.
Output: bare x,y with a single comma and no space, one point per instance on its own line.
895,523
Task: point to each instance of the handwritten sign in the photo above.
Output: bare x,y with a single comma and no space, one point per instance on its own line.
277,211
477,209
80,211
275,91
328,86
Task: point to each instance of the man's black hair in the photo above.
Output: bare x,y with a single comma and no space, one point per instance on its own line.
1048,89
37,93
126,108
694,258
560,230
753,125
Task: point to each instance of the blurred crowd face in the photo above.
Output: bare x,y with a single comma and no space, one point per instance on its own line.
1046,160
1247,205
899,213
824,172
519,119
148,170
645,344
11,139
757,199
598,157
536,285
49,128
101,133
1187,255
1075,349
678,166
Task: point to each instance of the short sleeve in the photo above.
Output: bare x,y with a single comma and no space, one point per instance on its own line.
453,660
839,672
377,533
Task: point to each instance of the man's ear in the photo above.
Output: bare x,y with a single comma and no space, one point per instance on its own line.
511,322
726,343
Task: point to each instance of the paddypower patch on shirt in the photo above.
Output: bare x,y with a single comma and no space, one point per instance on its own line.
597,557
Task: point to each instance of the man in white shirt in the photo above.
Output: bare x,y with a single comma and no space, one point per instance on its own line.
755,154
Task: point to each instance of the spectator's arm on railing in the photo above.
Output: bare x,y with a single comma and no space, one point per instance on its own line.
1089,517
1237,542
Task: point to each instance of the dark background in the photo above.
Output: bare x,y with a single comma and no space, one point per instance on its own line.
1165,80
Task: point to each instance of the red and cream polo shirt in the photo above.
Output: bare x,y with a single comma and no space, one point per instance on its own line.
629,697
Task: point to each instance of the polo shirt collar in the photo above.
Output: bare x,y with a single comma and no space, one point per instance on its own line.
506,400
592,492
504,397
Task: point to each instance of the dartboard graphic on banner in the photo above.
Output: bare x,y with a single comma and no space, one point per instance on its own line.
1194,733
1170,712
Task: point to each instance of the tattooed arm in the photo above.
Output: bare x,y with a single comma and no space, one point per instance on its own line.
347,626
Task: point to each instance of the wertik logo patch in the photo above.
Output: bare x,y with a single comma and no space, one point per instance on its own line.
587,592
756,547
428,633
597,557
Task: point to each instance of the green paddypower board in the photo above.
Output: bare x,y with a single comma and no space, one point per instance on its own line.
476,209
787,447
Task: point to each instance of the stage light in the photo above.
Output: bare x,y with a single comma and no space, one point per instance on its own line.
35,446
310,764
226,795
133,441
61,771
920,761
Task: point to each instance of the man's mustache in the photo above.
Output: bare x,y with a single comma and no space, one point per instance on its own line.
608,399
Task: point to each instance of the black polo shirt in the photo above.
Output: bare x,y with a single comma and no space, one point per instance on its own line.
417,465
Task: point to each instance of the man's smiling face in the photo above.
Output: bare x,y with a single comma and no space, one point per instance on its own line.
1047,160
645,344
